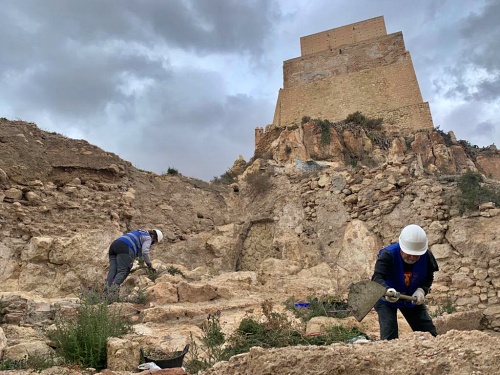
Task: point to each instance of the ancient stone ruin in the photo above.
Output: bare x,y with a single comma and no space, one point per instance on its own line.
357,67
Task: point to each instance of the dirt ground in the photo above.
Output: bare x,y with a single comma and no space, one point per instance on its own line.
455,352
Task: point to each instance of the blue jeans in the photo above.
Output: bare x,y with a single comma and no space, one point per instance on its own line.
121,259
417,317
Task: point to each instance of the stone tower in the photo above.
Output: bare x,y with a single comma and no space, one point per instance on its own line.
357,67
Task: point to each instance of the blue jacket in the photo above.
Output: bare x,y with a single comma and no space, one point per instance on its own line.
395,278
139,241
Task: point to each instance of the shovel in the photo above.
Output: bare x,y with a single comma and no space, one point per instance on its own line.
365,294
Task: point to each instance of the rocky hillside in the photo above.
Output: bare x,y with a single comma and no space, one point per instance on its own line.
305,217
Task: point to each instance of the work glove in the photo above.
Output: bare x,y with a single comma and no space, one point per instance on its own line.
394,295
150,267
420,294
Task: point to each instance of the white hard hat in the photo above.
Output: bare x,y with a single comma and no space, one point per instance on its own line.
413,240
159,235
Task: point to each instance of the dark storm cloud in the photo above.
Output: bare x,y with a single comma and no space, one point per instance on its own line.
203,26
479,56
184,83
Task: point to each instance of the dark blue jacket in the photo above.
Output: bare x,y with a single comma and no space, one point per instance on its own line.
389,271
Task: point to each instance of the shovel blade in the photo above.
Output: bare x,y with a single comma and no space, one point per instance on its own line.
363,296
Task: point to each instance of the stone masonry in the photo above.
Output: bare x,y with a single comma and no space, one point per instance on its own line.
357,67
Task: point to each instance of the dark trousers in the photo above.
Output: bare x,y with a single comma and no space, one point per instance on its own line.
121,259
417,317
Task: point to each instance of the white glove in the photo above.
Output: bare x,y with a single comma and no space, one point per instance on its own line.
393,295
420,294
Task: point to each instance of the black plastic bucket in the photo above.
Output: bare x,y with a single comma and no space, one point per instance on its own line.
175,359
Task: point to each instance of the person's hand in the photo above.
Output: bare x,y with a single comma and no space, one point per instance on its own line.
420,294
393,295
151,268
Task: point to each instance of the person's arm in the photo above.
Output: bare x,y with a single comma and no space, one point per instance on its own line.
432,267
383,267
146,245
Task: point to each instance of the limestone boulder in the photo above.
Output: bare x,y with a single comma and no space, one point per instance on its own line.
476,238
189,292
26,349
461,321
122,354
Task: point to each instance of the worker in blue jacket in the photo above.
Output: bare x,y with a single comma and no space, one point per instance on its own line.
406,267
126,248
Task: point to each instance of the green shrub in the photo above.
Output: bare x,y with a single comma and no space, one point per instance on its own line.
447,307
174,271
276,330
360,119
210,351
325,126
10,364
82,339
472,193
325,305
305,119
172,171
224,179
446,136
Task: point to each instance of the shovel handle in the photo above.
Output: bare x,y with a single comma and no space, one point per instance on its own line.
403,296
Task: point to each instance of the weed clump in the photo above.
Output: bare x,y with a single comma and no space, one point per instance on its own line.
81,339
360,119
473,193
273,330
446,308
259,182
325,305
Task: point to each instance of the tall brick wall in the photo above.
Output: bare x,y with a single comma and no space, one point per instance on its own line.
367,91
349,34
385,50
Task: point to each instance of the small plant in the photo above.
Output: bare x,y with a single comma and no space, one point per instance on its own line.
447,307
172,171
224,179
276,330
325,126
472,193
360,119
99,293
10,364
211,350
81,339
152,274
305,120
288,150
446,136
174,271
325,305
137,295
259,182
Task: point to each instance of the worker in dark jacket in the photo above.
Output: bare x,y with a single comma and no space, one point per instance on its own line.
405,267
126,248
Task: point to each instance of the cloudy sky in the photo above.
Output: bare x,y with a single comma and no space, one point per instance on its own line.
184,83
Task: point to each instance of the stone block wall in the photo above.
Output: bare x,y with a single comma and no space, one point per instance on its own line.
348,34
347,59
333,98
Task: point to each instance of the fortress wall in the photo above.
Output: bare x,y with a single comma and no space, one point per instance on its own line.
384,50
405,120
349,34
388,87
